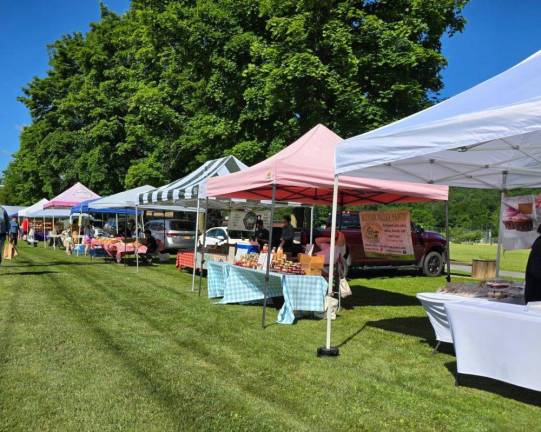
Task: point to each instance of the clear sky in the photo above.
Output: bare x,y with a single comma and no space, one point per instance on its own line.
499,34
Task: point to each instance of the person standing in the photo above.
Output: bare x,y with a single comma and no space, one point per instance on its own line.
4,229
261,234
25,225
286,239
532,290
14,231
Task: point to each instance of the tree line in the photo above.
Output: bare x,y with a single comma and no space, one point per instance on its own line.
147,96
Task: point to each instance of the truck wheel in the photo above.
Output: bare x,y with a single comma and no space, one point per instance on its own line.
433,264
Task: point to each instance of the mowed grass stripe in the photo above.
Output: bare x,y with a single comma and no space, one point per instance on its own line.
93,346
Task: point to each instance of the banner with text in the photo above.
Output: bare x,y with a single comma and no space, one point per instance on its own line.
521,216
387,233
245,220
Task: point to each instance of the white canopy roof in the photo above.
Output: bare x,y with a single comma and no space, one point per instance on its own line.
12,210
128,198
49,213
34,207
469,140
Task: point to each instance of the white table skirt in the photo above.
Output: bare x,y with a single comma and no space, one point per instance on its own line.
497,340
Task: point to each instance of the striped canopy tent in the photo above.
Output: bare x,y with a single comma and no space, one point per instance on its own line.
193,187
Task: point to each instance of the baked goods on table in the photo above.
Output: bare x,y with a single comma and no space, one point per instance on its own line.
497,290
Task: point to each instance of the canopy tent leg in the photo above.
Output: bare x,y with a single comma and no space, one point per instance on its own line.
54,238
269,253
44,234
136,239
195,243
447,245
312,225
117,227
327,350
125,234
500,225
204,245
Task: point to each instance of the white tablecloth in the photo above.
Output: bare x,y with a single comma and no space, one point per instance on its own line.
497,340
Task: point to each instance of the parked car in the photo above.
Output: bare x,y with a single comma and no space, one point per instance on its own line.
174,234
222,235
429,247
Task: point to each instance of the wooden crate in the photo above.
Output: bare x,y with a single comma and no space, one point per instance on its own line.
483,269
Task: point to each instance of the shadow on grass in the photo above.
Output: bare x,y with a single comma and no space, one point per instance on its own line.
55,263
500,388
30,273
410,326
366,296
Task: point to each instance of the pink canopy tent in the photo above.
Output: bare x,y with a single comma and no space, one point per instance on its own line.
304,172
71,197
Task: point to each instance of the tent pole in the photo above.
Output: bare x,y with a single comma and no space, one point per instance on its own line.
204,244
269,253
136,239
125,234
500,225
447,245
312,225
44,236
327,350
54,238
117,227
195,244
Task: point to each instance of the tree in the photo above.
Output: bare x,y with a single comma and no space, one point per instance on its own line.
148,96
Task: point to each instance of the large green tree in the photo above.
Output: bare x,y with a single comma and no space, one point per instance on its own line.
148,96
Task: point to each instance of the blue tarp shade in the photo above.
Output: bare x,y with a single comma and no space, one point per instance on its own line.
86,207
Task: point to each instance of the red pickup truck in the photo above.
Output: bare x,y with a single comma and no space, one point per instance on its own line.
429,248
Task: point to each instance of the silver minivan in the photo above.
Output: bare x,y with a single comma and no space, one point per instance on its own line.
173,233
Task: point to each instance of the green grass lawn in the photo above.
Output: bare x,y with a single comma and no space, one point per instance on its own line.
88,346
511,260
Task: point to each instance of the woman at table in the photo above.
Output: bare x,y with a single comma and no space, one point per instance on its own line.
532,291
87,239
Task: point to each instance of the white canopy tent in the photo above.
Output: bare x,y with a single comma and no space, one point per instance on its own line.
34,207
487,137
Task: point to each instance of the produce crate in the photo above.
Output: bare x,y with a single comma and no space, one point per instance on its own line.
185,260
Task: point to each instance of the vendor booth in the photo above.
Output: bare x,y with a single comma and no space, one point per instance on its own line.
303,172
191,191
488,137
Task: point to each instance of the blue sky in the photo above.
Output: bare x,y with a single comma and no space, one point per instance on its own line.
499,34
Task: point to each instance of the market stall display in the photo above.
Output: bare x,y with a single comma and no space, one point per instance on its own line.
497,290
303,172
237,284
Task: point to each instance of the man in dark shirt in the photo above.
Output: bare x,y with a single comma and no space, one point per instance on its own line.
261,234
151,244
4,228
532,291
286,240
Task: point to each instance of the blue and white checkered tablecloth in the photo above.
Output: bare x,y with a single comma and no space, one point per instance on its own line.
217,273
302,293
247,285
